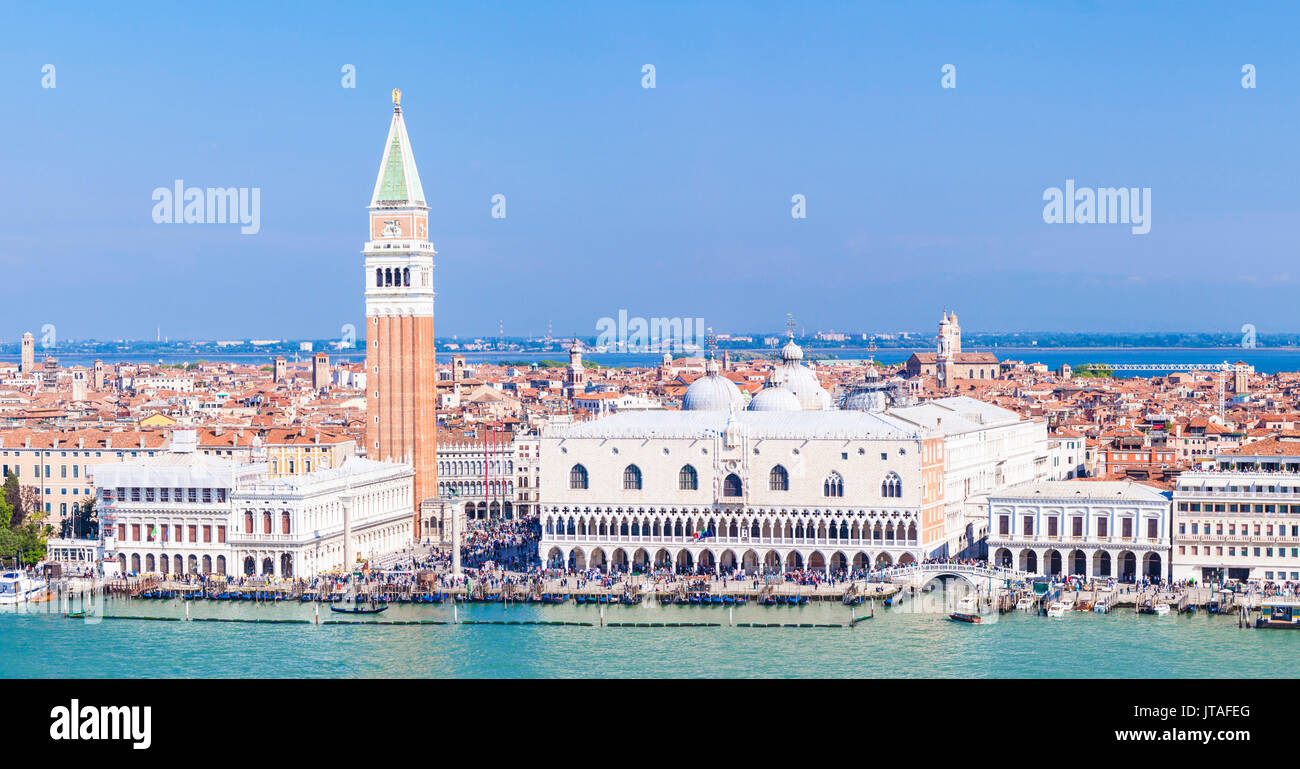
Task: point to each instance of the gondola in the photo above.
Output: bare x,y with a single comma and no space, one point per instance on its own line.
630,600
359,609
960,616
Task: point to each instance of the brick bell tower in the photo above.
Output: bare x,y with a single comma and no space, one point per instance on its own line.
400,375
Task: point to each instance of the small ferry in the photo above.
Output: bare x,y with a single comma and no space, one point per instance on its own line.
16,587
1025,603
1279,614
968,610
1060,608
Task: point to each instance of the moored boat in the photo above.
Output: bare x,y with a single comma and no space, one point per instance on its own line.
1060,608
1279,614
16,587
968,611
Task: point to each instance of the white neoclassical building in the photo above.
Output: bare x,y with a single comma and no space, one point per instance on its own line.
184,512
1102,529
298,526
170,513
783,482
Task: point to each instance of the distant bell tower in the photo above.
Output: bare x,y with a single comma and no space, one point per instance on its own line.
576,375
28,362
400,390
946,351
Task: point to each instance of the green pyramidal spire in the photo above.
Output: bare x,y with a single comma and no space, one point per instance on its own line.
398,183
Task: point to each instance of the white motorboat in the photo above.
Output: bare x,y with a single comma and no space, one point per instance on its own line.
16,587
1060,608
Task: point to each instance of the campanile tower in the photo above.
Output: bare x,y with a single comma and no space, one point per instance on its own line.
400,375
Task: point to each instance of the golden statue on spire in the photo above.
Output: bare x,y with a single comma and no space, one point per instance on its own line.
397,97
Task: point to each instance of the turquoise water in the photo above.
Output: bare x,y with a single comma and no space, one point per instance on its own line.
895,643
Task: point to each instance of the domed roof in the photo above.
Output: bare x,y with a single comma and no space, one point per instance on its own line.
867,397
775,399
712,392
803,383
791,352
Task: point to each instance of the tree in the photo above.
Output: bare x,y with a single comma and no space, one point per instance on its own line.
13,496
22,536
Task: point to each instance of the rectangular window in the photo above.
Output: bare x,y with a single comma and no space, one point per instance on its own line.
1077,524
1128,528
1153,526
1051,526
221,534
207,533
1101,526
135,532
194,533
1004,525
1028,526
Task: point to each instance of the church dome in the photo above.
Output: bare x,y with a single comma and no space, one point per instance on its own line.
775,399
712,392
791,352
803,383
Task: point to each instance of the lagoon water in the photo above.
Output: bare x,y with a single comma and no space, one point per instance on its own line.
1266,360
40,642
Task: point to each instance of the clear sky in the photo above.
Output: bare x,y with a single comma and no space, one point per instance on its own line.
672,201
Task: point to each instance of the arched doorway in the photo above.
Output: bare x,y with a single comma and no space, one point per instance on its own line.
577,559
192,564
149,562
663,559
685,562
817,561
905,559
268,567
250,566
1029,561
1052,565
1078,563
221,565
135,562
597,560
1151,566
1002,557
554,558
884,561
207,564
794,561
286,565
1101,564
1127,566
707,561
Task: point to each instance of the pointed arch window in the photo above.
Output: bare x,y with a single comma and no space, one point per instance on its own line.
778,479
891,486
833,486
632,478
578,477
688,479
731,486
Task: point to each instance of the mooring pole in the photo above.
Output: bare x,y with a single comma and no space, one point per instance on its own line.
853,617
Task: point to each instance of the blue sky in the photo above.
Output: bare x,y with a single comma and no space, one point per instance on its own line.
672,201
